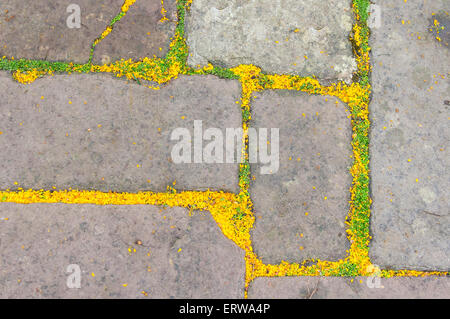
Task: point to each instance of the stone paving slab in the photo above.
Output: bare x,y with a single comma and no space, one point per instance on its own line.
142,32
179,256
38,29
443,19
99,133
301,209
344,288
409,139
296,37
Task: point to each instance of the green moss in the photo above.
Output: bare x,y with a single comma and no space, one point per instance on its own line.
264,81
244,174
239,214
362,7
224,73
347,269
246,115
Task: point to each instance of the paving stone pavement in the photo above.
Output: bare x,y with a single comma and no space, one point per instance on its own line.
92,132
180,256
142,32
409,140
349,288
38,29
301,208
97,132
296,37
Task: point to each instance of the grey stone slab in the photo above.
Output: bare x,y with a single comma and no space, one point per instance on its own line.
321,140
409,139
296,37
440,25
38,29
96,132
178,256
345,288
142,32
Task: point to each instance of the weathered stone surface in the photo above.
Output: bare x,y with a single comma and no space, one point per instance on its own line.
180,256
142,32
439,26
95,132
409,139
344,288
315,156
38,29
290,36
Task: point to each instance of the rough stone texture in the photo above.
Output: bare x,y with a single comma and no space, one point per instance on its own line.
343,288
99,144
274,35
321,139
38,29
409,139
140,33
443,20
180,256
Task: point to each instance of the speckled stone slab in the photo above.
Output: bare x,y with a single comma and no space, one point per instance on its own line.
410,138
350,288
38,29
143,32
296,37
95,132
121,251
301,208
